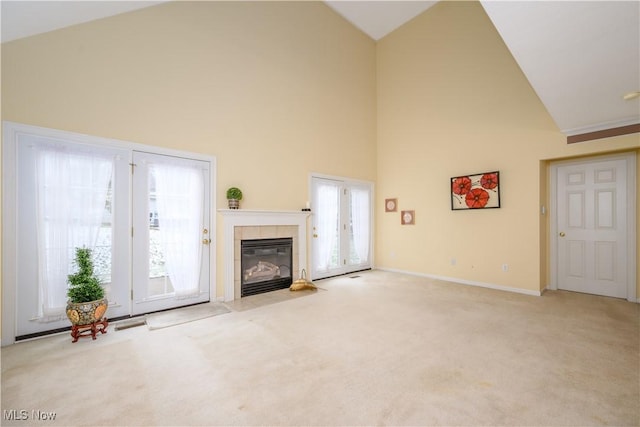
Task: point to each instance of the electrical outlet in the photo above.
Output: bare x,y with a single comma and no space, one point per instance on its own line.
453,261
505,267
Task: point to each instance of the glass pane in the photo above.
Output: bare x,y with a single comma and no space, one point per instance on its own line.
353,255
102,251
359,225
159,282
327,242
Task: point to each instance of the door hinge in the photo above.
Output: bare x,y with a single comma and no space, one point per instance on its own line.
344,262
131,231
133,165
131,294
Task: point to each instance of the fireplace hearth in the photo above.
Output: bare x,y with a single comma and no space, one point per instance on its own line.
265,265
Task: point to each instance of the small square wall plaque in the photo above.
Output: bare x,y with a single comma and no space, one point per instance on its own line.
390,205
408,217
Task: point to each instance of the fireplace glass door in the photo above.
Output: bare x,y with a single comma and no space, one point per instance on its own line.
265,265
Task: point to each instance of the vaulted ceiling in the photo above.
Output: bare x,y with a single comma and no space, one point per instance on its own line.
581,57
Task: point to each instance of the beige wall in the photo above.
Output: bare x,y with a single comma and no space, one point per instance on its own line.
452,101
284,88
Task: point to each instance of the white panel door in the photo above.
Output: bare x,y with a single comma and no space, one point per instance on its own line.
171,234
592,227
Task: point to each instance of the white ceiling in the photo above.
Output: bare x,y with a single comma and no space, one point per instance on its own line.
581,57
379,18
27,18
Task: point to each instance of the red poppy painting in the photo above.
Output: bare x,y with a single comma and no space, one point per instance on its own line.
479,191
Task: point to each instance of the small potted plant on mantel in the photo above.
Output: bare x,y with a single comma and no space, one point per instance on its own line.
234,195
86,305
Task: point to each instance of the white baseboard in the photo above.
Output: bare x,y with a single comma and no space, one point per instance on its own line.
466,282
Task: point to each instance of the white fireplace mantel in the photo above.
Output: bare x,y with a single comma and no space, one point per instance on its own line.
248,218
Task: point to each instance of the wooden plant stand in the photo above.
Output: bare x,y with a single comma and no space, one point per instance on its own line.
90,330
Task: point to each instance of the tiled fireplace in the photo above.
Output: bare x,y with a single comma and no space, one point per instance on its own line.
243,224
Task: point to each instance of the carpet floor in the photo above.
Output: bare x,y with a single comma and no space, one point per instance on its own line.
380,349
179,316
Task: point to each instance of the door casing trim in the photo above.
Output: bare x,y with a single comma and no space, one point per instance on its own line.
371,185
10,131
630,158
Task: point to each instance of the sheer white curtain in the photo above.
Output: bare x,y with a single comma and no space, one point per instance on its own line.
179,199
71,186
360,222
326,207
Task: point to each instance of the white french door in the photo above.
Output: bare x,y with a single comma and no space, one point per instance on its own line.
171,234
69,195
341,226
149,230
593,227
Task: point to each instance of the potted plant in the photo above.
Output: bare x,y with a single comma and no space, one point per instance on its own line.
234,195
87,304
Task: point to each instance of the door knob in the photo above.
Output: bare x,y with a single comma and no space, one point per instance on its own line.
315,235
562,234
206,241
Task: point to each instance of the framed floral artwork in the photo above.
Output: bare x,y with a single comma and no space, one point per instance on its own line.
479,191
